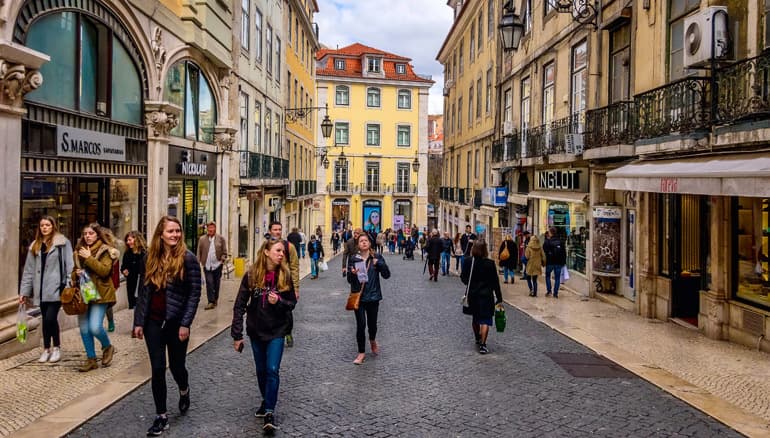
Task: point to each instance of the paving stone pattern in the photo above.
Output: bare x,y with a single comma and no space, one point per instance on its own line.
428,380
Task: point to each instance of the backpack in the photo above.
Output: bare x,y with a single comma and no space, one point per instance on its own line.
116,274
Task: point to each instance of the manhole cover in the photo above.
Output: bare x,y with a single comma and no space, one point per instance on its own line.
588,365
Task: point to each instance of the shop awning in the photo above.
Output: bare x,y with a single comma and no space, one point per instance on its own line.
559,196
517,198
736,175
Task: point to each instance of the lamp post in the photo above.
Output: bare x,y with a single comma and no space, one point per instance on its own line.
511,27
416,162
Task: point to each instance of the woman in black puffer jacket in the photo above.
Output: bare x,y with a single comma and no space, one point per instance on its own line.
165,310
483,292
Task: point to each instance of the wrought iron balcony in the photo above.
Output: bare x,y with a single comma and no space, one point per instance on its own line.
508,149
535,141
477,198
340,188
744,89
259,166
448,194
373,189
681,107
464,196
302,187
610,125
405,189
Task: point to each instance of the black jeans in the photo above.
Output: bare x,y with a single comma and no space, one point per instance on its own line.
433,267
160,337
132,281
213,278
366,315
50,313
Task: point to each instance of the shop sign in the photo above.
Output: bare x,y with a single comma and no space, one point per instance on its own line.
606,239
253,195
192,169
340,202
398,222
90,145
188,163
573,179
495,196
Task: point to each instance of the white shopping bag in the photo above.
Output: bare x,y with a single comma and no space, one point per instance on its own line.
564,273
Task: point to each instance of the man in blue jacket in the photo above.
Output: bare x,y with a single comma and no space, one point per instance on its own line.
555,260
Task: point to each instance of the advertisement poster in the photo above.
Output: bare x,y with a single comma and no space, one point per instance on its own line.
606,241
372,216
398,222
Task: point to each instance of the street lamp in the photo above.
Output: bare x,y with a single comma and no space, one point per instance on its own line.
511,27
326,126
416,162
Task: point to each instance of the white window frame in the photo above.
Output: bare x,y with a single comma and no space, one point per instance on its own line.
373,64
342,91
376,130
341,133
245,8
402,130
401,68
405,103
371,94
339,64
258,36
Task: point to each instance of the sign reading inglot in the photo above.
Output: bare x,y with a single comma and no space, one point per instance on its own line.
89,145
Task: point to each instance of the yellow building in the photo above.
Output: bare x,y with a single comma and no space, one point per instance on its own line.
301,119
470,58
379,107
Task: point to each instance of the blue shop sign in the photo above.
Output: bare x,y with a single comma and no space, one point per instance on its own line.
501,196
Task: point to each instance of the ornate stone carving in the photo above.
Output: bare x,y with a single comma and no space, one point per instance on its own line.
226,78
158,50
16,80
224,140
161,122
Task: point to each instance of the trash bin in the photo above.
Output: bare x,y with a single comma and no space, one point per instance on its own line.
240,266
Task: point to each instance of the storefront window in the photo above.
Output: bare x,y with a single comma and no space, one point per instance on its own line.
340,214
187,87
402,213
124,199
192,201
751,260
569,219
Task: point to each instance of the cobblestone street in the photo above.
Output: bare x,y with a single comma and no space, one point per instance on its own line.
428,380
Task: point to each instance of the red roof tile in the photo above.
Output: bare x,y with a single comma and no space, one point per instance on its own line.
353,54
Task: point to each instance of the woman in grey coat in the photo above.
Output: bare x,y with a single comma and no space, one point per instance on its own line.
48,263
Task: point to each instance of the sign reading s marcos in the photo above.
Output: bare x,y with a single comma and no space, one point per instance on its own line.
89,145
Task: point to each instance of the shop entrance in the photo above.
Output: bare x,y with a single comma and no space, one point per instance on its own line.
685,243
191,201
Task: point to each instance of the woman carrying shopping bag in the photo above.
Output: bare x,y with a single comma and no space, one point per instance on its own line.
49,262
95,256
480,274
132,267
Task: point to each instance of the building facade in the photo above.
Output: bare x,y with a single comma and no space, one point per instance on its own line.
470,55
379,108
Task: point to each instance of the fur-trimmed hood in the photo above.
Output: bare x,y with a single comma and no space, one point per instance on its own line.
58,240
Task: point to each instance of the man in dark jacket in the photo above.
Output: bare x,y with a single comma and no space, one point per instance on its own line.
434,248
446,253
466,241
351,248
295,239
555,260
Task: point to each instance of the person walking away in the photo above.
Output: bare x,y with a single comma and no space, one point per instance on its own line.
467,241
371,293
535,259
401,241
392,237
507,256
267,298
164,313
457,252
434,248
350,249
302,243
483,291
295,239
316,252
95,256
49,262
212,252
381,239
335,242
446,253
523,242
555,260
292,256
133,264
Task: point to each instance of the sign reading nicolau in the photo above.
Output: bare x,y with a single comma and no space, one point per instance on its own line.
571,180
89,145
191,164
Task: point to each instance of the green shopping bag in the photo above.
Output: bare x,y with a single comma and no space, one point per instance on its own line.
500,318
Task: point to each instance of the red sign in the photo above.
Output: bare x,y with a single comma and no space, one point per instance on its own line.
669,185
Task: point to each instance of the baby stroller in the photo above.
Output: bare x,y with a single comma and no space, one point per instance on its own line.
409,250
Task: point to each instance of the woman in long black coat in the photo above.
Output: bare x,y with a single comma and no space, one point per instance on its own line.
509,264
483,293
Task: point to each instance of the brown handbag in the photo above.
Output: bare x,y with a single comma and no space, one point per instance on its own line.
354,299
72,301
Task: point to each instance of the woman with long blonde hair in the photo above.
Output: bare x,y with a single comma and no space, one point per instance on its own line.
96,254
134,260
48,263
267,298
165,309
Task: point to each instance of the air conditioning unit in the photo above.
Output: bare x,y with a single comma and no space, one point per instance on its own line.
273,203
507,127
703,29
574,144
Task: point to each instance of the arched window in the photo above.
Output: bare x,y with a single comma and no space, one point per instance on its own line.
342,95
404,99
187,87
102,80
373,97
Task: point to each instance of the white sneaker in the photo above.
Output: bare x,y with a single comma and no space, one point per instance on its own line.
44,356
55,355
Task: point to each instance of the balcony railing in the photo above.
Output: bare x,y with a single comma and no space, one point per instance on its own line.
447,194
405,189
610,125
537,140
744,88
681,107
254,165
464,195
477,198
340,188
302,187
374,189
508,149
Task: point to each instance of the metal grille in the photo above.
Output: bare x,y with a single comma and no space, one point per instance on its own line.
753,322
68,167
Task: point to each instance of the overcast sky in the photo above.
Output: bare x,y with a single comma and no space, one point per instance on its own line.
411,28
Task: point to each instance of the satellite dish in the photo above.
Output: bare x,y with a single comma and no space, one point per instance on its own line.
692,38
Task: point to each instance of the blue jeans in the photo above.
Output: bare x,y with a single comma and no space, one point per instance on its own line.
267,358
556,269
445,263
507,272
302,247
92,325
532,283
314,266
458,262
